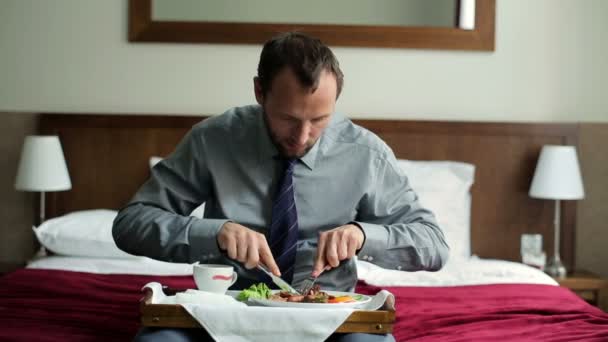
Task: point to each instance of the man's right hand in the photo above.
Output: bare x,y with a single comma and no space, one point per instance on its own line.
246,246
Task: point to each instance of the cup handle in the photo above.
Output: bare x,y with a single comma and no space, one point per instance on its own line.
234,277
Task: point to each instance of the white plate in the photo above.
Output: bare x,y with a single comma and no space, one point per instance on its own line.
268,302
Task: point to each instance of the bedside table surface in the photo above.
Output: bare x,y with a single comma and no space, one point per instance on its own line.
583,280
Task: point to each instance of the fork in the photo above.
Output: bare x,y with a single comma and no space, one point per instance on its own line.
307,285
309,282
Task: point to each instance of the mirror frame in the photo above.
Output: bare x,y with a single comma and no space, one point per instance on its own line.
143,29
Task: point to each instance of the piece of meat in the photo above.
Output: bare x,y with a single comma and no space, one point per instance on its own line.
295,298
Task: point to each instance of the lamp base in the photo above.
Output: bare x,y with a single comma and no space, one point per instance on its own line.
555,268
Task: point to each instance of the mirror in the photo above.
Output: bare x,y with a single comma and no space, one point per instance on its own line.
433,13
449,24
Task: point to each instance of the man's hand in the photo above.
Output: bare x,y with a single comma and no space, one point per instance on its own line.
246,246
336,245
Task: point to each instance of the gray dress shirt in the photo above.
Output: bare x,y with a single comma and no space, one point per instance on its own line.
229,163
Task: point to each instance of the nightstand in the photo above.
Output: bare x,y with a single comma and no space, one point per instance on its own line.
7,267
585,284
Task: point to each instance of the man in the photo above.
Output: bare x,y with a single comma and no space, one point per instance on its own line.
287,183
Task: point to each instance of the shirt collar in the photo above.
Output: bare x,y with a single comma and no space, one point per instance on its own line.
313,156
310,158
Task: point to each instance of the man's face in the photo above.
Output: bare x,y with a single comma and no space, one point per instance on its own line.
296,116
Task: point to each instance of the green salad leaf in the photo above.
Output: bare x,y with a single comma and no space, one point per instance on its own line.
259,291
357,297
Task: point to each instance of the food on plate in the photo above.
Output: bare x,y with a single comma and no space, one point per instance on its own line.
259,291
315,295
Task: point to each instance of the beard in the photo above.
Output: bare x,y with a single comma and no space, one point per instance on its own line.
283,144
286,148
289,153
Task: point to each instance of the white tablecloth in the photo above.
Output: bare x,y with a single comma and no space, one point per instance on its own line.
231,321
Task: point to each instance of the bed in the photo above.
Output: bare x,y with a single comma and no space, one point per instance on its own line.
88,291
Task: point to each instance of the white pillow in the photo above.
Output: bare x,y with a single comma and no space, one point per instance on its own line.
154,160
198,211
444,188
81,233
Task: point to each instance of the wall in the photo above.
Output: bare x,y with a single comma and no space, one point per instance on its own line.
550,64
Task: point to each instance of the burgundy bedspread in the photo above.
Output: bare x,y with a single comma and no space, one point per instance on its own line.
503,312
49,305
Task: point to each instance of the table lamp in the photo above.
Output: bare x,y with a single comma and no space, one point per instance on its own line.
42,167
557,177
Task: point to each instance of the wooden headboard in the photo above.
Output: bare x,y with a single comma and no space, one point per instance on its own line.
108,155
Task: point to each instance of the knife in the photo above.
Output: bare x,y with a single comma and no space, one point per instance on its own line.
282,284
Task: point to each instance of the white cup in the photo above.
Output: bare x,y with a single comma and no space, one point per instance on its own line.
213,278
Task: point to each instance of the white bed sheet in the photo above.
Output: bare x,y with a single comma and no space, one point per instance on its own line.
137,265
474,271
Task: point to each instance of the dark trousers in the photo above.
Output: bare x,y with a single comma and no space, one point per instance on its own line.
200,335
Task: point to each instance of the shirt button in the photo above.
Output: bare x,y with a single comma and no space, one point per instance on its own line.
370,258
399,268
365,257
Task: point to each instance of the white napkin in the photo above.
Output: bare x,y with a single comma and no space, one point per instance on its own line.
239,323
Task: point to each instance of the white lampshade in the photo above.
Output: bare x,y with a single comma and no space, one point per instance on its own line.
42,166
557,174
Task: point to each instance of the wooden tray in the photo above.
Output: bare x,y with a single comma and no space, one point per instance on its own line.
175,316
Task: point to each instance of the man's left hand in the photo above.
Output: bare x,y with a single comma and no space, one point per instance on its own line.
336,245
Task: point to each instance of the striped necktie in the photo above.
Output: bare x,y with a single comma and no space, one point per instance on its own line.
284,225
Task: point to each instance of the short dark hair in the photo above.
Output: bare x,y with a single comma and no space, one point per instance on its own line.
306,56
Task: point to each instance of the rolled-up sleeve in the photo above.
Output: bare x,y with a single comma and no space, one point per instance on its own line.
399,233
